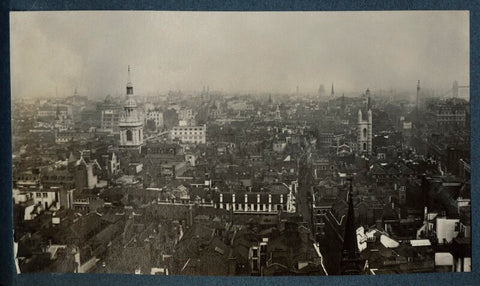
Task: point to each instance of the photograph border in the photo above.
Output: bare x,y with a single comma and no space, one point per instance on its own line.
7,269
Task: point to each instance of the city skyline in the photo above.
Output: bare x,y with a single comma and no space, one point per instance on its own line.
295,154
236,51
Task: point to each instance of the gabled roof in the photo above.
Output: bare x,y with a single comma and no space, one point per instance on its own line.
376,169
82,228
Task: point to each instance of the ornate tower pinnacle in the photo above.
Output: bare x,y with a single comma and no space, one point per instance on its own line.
129,83
367,94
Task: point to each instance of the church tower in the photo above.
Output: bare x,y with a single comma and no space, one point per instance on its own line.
278,115
365,134
131,126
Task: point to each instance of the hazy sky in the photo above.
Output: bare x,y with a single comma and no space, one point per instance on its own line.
236,51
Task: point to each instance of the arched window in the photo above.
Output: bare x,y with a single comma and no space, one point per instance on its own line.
364,132
364,146
129,135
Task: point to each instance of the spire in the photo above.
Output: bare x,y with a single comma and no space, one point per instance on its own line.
129,83
351,263
367,93
57,113
350,248
333,92
455,89
418,91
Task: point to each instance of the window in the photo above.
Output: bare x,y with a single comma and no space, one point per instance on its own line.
38,195
129,135
364,132
364,146
255,267
45,195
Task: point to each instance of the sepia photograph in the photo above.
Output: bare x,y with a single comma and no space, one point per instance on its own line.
241,143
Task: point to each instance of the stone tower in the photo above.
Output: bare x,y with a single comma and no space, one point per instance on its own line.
364,136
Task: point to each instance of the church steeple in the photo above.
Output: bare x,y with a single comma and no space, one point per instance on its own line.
57,113
351,263
130,124
333,92
350,248
418,93
277,113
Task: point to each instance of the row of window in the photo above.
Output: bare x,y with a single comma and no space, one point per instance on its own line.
188,129
52,112
252,200
39,195
58,178
252,207
188,133
190,137
323,167
193,140
457,112
449,118
27,178
456,122
115,115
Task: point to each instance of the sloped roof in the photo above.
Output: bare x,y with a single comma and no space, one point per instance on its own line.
376,169
82,228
